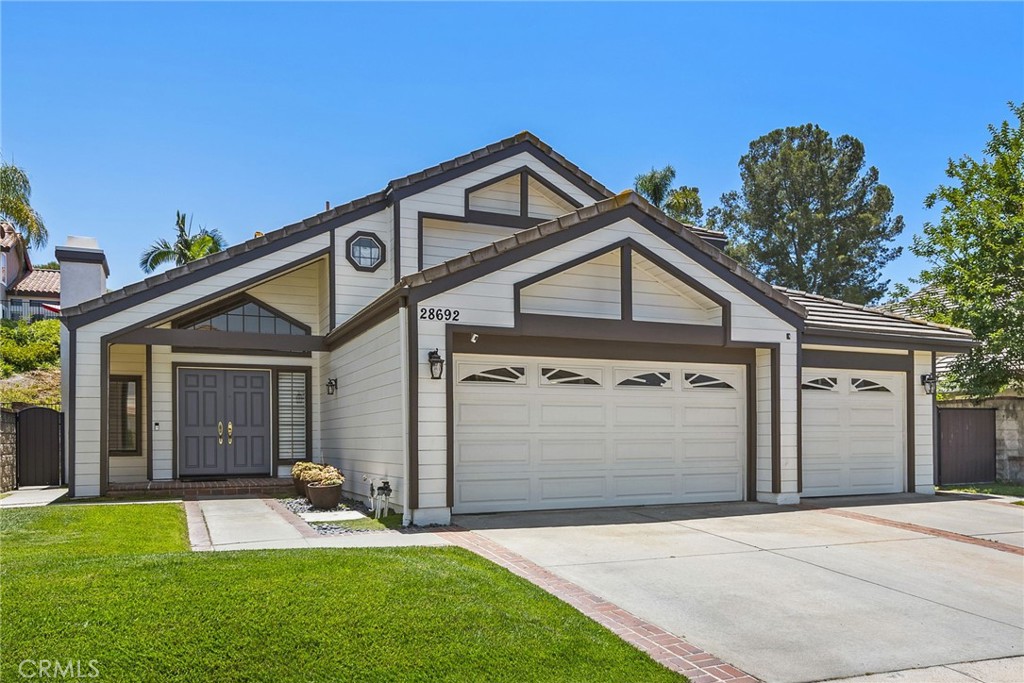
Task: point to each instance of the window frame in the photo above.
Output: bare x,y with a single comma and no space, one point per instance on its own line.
231,303
350,242
112,452
275,409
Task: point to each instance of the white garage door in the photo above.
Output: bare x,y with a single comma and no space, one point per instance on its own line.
559,433
854,436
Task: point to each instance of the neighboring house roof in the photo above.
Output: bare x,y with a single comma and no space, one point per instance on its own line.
826,315
371,202
39,281
9,237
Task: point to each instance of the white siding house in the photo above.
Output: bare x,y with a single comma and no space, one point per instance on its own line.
595,352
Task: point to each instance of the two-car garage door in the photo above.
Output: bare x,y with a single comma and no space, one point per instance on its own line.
536,433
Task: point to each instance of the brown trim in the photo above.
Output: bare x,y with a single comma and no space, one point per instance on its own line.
332,292
276,459
799,414
137,451
230,303
449,389
776,409
149,413
414,407
751,369
164,283
267,277
72,255
230,342
376,238
622,330
104,412
524,172
494,181
494,220
524,196
880,340
377,312
843,360
70,408
911,437
396,237
936,479
214,351
625,283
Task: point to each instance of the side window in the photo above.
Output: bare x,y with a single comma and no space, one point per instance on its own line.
125,419
365,251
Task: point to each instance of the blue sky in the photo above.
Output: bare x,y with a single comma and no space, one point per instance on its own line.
250,116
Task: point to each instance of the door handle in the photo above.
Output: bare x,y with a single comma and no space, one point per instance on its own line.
231,431
220,433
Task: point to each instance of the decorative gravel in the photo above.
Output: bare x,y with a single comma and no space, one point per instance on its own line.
300,505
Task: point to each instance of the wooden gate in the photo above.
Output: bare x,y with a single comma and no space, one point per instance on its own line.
40,446
967,445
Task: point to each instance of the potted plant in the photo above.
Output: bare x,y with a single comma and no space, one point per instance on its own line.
325,493
302,473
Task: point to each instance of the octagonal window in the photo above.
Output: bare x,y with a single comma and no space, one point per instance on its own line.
365,251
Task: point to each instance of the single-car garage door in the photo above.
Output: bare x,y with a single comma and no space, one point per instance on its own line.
854,438
561,433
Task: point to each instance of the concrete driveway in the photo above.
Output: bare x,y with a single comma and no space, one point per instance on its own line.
844,588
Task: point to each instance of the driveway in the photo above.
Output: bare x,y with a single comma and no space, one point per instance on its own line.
843,588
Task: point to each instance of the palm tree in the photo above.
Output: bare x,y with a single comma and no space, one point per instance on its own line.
682,203
16,207
187,247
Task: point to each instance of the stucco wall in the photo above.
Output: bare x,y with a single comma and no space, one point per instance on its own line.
1009,433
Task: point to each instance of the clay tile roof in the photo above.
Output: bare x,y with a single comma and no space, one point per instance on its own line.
38,281
9,237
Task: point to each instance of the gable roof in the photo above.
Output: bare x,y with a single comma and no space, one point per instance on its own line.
828,316
39,281
339,215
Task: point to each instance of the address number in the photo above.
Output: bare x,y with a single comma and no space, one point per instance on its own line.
449,314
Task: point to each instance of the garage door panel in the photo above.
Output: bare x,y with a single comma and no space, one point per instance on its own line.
592,443
854,438
561,452
492,413
491,452
558,415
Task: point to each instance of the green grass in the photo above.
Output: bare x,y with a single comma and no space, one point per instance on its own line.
117,585
368,523
989,489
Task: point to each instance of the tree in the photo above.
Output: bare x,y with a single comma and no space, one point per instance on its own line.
682,203
185,248
809,216
16,206
49,265
975,276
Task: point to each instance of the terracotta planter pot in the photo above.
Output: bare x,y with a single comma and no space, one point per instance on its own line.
324,497
300,487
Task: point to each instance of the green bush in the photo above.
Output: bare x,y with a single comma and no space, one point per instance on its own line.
28,346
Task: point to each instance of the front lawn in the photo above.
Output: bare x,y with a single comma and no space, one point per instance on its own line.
116,584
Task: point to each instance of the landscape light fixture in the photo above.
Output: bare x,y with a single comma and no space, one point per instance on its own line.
436,364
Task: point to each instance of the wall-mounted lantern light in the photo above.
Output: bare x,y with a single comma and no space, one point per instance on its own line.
436,364
928,382
332,386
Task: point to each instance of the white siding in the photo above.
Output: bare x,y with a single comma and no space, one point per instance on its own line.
499,197
354,289
130,359
488,301
449,199
924,436
592,289
297,294
660,297
546,204
444,240
363,425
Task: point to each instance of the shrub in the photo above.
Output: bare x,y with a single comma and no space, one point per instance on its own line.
304,466
26,346
330,476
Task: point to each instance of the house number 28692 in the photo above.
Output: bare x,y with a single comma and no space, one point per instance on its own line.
448,314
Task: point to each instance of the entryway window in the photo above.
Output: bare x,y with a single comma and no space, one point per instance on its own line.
125,418
292,418
244,314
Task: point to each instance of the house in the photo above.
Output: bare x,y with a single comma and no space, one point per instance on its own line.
26,293
497,332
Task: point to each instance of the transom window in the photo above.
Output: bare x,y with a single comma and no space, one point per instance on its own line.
648,379
504,375
862,384
697,380
365,251
247,316
821,384
562,376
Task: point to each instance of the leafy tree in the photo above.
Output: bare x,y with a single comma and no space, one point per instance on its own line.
682,203
809,216
186,247
16,205
49,265
26,346
975,276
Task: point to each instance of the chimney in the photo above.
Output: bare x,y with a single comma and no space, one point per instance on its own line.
83,271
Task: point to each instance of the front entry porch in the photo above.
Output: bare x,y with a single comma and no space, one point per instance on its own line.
193,490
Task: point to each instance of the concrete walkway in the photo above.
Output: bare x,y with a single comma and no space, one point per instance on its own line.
265,524
32,496
1008,670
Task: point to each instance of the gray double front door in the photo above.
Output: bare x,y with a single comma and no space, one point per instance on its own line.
223,422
